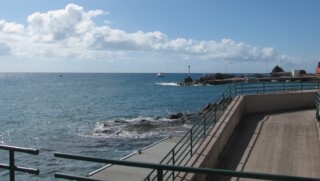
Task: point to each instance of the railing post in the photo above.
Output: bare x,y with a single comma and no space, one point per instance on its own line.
11,165
173,163
264,87
173,155
283,85
301,83
160,174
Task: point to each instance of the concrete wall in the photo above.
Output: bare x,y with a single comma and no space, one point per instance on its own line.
279,101
216,140
208,153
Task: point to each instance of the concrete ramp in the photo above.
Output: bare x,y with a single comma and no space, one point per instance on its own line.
278,143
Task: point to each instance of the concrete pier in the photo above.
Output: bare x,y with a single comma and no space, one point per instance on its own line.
268,133
285,141
277,142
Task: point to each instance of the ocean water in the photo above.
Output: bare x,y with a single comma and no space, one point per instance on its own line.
68,112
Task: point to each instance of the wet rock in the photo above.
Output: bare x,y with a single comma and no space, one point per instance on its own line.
207,107
175,116
140,127
105,131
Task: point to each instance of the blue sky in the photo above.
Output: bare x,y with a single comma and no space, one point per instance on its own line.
151,36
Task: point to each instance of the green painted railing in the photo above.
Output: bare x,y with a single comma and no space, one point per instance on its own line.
12,167
187,145
242,88
160,168
185,148
318,106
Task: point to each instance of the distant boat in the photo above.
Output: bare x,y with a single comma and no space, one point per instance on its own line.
160,74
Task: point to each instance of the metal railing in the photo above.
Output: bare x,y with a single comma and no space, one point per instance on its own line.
242,88
160,168
318,106
185,148
12,167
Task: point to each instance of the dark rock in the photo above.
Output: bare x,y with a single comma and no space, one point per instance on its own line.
175,116
105,131
207,107
140,127
188,80
120,121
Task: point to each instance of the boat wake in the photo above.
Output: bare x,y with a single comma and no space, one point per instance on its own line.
168,84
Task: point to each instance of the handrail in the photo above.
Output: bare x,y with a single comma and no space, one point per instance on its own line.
12,167
187,144
238,88
318,106
161,167
242,88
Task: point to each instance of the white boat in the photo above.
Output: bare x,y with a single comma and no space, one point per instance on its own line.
160,74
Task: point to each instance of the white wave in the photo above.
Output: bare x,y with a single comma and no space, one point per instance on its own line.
168,84
138,127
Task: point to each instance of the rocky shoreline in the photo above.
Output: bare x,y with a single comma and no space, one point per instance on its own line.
176,121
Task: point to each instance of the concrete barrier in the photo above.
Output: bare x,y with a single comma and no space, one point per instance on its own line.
208,154
279,101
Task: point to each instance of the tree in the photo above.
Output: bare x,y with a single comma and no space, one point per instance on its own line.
277,69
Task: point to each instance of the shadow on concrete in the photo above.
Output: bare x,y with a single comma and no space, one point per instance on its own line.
233,154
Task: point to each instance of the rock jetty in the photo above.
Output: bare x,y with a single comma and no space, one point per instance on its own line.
276,75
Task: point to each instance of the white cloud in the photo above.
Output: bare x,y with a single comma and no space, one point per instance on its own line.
61,24
71,32
10,28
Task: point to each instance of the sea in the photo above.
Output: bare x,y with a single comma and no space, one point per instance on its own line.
81,113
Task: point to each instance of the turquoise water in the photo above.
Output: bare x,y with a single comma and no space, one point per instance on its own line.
62,112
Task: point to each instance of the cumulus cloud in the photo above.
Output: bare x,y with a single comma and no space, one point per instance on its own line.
10,27
72,32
